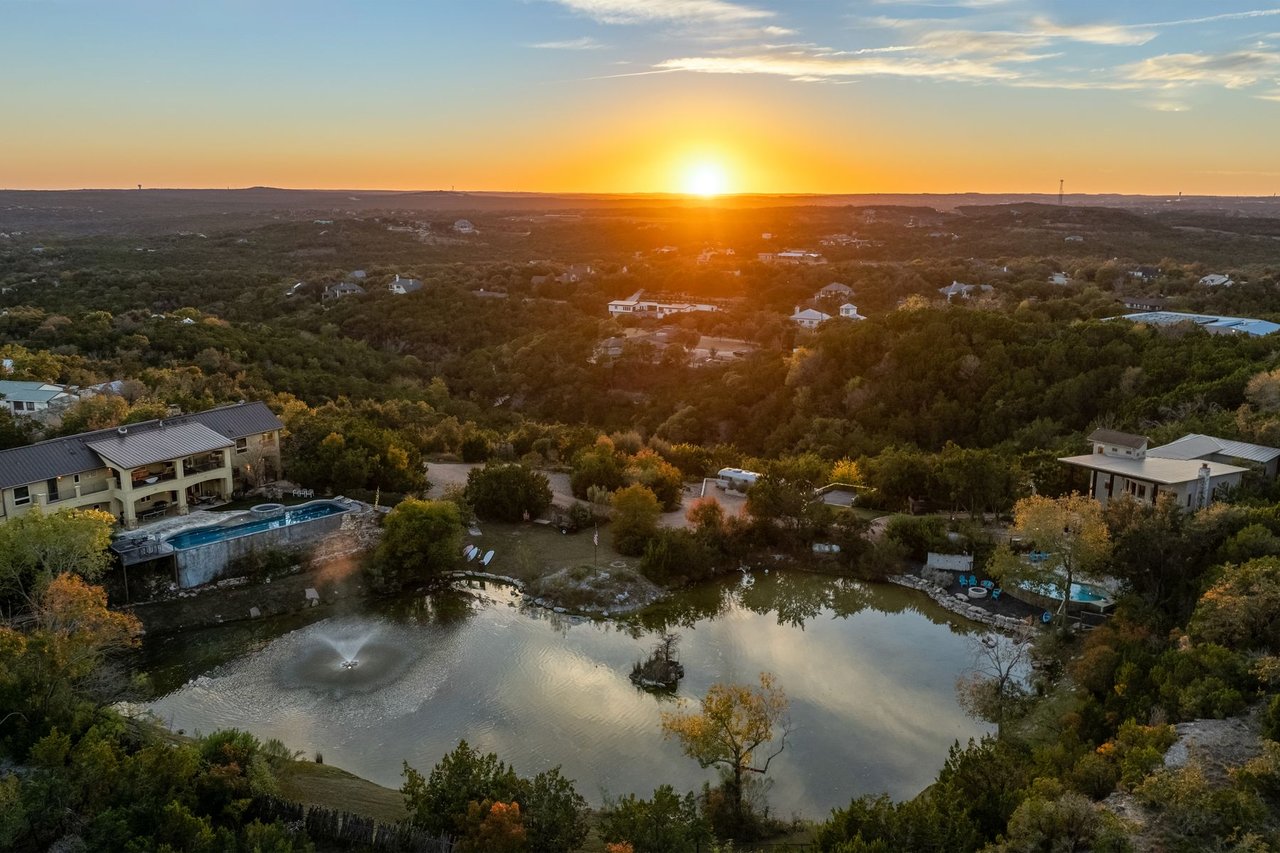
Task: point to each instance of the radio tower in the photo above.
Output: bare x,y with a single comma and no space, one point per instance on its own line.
1061,184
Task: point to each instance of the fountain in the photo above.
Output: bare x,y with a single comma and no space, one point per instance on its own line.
346,658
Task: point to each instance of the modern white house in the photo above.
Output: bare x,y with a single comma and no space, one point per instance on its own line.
636,305
401,286
809,318
1216,280
849,311
29,398
1121,466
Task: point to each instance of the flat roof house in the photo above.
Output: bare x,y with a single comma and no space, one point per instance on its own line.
1121,465
146,470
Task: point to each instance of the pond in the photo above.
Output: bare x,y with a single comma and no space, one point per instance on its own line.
870,671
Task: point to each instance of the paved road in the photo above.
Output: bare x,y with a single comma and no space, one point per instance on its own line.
444,474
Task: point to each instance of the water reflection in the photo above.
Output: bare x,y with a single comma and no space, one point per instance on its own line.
870,671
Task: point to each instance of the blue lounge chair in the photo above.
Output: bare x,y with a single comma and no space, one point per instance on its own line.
973,580
989,584
995,594
1046,617
964,581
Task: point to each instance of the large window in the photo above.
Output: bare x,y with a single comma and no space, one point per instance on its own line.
21,496
242,445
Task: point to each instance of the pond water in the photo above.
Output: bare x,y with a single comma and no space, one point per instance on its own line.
870,671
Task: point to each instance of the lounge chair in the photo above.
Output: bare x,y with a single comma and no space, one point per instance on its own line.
964,581
973,580
995,594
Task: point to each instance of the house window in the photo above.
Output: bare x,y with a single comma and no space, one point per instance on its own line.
1142,491
268,439
21,496
242,445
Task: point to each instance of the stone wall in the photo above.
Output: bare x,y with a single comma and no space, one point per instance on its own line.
955,605
206,563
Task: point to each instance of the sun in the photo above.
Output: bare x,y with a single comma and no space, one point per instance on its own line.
705,179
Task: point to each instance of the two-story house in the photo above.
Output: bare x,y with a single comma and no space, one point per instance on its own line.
144,471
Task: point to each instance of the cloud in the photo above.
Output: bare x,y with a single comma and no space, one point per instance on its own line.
1236,70
584,43
1106,34
649,11
810,67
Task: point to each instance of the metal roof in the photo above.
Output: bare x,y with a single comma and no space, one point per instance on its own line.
133,449
35,392
1196,446
1169,472
59,457
1208,322
1120,439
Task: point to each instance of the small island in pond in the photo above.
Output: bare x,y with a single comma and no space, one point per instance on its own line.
662,670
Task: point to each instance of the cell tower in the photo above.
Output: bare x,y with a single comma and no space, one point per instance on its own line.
1061,183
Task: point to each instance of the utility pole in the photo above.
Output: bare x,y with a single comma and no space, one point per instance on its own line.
1061,183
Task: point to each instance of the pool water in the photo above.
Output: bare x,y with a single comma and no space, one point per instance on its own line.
1082,592
217,533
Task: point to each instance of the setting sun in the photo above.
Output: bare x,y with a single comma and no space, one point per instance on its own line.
705,179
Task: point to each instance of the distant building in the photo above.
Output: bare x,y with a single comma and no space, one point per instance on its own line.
809,318
29,398
1074,238
1060,278
835,289
1145,303
1145,273
297,289
1121,466
1216,280
1209,448
464,226
636,305
964,291
401,286
1214,325
849,311
795,257
338,291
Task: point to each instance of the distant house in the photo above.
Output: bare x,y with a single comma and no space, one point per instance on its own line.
576,273
1145,303
1145,273
402,286
636,305
297,289
358,275
809,318
849,311
464,226
794,257
1074,238
964,291
1212,324
1216,280
338,291
835,289
1060,278
29,398
1121,466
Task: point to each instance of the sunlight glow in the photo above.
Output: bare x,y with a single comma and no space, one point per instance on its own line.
706,180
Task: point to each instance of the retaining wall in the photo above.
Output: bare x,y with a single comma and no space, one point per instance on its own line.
206,563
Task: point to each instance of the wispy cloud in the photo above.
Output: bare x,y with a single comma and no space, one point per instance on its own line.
810,67
1106,34
1235,70
648,11
584,43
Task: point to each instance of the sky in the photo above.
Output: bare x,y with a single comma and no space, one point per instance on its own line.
744,96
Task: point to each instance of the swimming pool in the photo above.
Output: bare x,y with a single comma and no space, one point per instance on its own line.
221,532
1085,593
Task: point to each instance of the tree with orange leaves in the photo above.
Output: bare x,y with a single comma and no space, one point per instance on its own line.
734,723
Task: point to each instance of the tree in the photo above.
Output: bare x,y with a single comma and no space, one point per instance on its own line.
1070,529
786,507
635,519
439,803
507,491
598,465
1241,610
555,815
37,546
733,723
420,541
995,690
668,823
659,476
